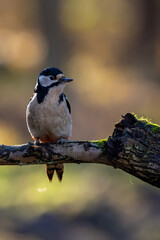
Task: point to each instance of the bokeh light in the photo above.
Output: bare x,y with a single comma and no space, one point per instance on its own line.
21,50
111,49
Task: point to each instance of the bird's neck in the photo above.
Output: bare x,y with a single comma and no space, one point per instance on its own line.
51,92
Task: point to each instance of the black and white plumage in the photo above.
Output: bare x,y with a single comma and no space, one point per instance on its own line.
48,113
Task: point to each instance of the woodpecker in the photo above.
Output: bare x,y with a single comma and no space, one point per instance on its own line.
48,113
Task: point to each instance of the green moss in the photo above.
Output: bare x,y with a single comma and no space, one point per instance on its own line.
135,115
147,122
100,142
156,128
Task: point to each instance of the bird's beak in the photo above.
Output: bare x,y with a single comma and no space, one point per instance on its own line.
65,80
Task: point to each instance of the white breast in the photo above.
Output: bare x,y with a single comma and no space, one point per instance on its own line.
49,118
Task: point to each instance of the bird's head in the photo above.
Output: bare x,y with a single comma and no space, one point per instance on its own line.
51,77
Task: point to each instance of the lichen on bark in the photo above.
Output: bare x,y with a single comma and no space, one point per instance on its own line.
133,147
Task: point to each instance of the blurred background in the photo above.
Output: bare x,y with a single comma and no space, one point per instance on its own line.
112,50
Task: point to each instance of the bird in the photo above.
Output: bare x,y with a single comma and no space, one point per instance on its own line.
48,113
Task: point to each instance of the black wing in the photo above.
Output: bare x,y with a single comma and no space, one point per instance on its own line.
62,98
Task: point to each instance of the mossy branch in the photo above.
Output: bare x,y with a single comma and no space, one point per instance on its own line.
133,147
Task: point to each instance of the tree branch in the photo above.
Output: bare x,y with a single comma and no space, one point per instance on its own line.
133,147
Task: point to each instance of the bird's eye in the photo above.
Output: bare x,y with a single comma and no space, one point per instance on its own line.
52,78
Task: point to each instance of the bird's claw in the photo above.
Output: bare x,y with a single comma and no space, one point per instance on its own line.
37,142
62,140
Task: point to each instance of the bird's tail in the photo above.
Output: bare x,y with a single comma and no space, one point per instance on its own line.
58,168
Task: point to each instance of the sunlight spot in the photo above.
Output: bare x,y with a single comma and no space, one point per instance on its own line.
22,49
41,189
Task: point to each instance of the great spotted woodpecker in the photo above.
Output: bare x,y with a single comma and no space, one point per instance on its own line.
48,113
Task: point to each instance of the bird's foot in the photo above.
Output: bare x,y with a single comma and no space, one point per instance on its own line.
62,140
37,142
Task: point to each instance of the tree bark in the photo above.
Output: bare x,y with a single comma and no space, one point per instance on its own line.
133,147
